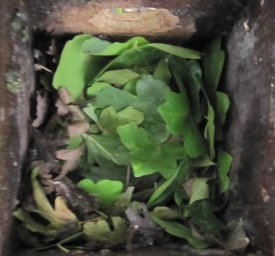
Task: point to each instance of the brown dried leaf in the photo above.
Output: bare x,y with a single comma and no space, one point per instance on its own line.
77,114
78,128
64,95
41,109
71,156
62,109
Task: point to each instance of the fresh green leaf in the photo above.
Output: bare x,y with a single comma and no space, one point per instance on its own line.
111,96
95,87
210,130
213,61
174,112
94,45
200,190
179,230
75,68
194,143
106,191
162,71
107,146
221,109
165,213
131,87
176,50
90,112
118,77
163,193
100,232
224,163
147,156
109,119
150,95
101,47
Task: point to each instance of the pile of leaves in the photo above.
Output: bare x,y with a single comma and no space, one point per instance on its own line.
137,158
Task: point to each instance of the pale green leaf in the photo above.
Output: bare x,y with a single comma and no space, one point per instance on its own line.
118,77
224,164
109,119
106,191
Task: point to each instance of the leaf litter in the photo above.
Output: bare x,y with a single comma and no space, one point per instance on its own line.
135,149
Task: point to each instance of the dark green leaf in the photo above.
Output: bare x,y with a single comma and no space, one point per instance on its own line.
213,60
106,170
107,146
203,217
224,163
163,193
221,109
179,230
210,130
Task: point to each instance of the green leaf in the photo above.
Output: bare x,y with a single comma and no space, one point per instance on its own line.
106,191
34,226
165,213
75,68
95,87
210,130
111,96
150,95
203,217
94,45
118,77
147,156
176,50
224,164
136,57
99,47
99,231
192,76
194,143
163,193
107,146
131,87
221,109
200,190
121,204
109,119
162,71
174,112
213,61
90,112
178,230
